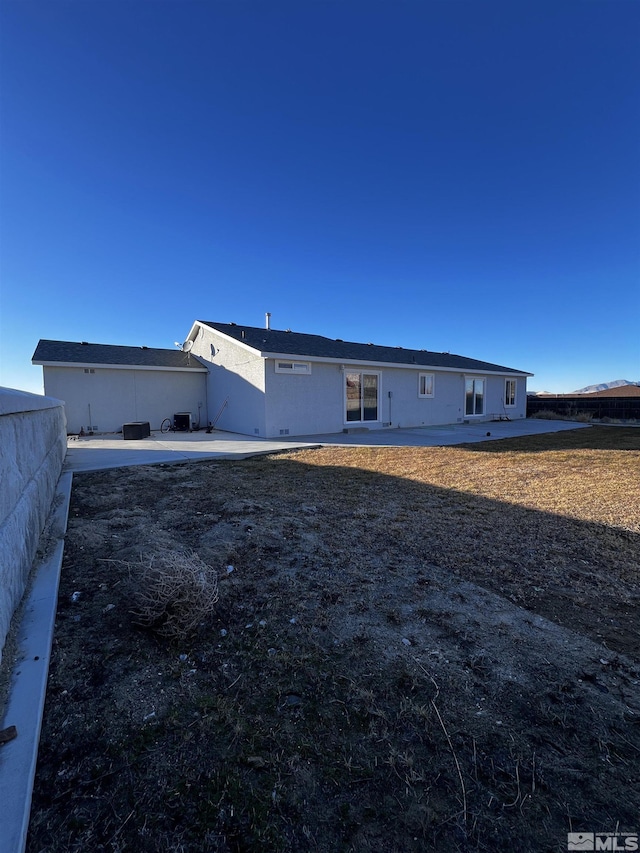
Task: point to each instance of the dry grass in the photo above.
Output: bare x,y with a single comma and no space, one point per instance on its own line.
588,475
418,649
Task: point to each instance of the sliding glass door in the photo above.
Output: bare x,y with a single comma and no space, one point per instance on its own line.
361,396
474,397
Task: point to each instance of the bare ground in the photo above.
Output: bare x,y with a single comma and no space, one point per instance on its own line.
416,649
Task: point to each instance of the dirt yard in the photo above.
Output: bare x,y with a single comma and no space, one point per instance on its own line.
412,649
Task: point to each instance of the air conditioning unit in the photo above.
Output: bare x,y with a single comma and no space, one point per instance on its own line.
183,421
136,430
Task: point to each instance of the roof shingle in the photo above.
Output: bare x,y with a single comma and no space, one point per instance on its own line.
316,346
70,352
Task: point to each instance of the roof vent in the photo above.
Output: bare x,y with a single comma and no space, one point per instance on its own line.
85,343
232,324
144,347
340,340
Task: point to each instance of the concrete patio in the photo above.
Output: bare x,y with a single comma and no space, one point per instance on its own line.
96,453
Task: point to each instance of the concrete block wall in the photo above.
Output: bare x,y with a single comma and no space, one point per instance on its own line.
33,445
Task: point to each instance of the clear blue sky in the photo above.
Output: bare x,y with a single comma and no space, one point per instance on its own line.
459,176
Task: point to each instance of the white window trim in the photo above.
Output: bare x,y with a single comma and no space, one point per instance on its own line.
433,386
515,393
344,394
297,367
482,379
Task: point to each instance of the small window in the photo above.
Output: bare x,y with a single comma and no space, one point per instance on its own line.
510,392
425,385
293,367
89,370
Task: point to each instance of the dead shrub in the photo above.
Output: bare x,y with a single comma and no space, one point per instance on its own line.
175,592
546,415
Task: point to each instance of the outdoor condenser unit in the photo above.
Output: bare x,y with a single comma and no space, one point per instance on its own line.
136,430
182,421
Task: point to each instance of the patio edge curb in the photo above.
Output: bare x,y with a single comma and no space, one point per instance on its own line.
27,691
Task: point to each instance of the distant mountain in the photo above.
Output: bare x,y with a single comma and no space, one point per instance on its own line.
604,386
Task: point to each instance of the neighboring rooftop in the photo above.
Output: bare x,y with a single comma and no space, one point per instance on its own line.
83,353
616,391
275,342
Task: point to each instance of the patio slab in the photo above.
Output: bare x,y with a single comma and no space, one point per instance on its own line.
99,452
440,436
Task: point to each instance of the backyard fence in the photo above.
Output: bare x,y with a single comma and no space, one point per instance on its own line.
615,408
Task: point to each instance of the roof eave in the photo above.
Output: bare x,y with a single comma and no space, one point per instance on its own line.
106,366
404,365
243,344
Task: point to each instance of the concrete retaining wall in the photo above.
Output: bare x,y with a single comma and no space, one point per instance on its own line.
33,445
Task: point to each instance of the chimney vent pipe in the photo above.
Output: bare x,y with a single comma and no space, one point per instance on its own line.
267,320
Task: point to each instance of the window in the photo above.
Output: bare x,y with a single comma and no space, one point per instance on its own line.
510,392
293,367
425,385
89,370
361,395
474,396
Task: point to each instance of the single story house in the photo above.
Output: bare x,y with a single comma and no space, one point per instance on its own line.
270,383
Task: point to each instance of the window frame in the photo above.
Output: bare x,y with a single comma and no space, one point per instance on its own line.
298,368
361,374
426,396
510,396
474,380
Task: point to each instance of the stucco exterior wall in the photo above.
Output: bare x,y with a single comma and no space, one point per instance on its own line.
304,404
115,396
495,403
33,445
447,406
308,404
268,403
405,408
236,374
